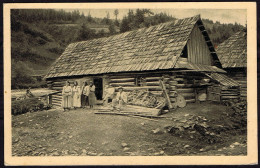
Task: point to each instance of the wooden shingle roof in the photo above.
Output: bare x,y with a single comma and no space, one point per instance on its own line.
232,53
153,48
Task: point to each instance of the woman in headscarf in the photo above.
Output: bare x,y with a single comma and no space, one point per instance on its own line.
76,95
92,97
66,96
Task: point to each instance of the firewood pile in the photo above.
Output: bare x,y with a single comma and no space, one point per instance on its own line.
146,99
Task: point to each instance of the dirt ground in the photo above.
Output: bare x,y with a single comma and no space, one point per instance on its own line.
81,132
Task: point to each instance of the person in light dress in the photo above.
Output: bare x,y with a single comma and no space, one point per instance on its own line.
76,95
66,96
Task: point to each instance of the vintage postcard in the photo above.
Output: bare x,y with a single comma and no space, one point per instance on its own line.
130,83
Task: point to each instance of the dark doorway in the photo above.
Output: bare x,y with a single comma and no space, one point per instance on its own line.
99,88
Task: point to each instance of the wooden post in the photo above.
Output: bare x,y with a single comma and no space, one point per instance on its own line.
50,99
166,94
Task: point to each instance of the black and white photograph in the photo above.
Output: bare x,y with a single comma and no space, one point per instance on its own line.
113,81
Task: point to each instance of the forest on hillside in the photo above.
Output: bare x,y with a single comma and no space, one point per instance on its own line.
39,36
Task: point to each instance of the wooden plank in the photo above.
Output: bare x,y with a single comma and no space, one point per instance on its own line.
150,88
124,114
154,83
132,109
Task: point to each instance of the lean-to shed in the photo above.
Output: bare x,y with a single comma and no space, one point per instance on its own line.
180,50
232,54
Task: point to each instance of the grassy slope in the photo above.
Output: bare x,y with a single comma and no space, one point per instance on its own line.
39,45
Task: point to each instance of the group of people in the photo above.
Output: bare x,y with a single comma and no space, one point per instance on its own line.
74,96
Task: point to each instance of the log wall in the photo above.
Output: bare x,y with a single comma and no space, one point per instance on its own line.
240,75
129,83
182,83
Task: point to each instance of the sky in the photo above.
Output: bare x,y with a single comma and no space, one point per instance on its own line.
222,15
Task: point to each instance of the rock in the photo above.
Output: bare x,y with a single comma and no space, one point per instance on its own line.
84,152
65,152
150,149
89,143
236,143
142,123
101,154
126,149
92,153
16,140
70,136
161,152
104,143
156,131
202,149
232,146
186,146
55,154
124,145
186,115
157,154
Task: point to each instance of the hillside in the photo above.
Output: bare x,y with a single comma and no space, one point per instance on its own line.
39,37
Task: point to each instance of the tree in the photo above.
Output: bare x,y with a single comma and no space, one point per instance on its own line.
116,13
112,28
124,25
89,17
108,15
85,33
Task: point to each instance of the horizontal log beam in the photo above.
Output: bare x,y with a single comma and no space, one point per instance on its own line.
118,80
191,101
185,90
57,88
122,84
184,85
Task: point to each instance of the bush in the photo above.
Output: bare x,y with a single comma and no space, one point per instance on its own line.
27,105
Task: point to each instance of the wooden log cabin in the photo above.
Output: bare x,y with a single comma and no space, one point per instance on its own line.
232,54
180,51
